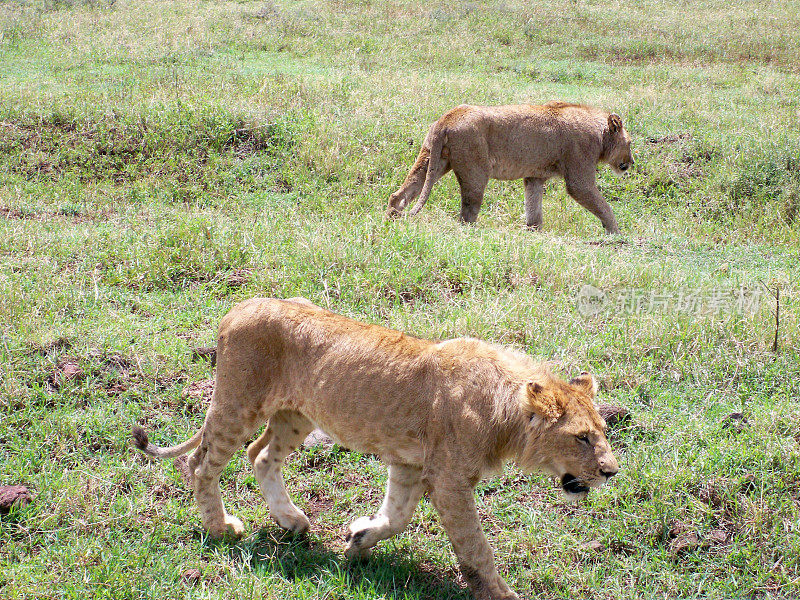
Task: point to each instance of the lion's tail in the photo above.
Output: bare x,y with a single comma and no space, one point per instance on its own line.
436,167
142,442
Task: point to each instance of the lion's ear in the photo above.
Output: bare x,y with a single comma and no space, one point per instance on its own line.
543,403
614,123
586,383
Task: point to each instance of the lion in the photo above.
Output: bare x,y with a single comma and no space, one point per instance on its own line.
533,143
440,414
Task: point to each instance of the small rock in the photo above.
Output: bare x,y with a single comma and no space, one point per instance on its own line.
594,546
67,370
13,495
685,542
117,388
192,576
613,414
318,438
717,536
239,277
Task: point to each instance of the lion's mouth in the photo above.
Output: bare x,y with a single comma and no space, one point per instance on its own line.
573,485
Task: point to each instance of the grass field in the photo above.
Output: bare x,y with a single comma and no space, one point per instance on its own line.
160,161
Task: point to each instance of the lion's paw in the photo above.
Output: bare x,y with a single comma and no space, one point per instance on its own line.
363,534
352,552
230,527
296,522
233,526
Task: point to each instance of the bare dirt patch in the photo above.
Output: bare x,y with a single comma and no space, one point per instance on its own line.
68,215
200,390
14,496
122,149
68,369
614,415
317,503
735,421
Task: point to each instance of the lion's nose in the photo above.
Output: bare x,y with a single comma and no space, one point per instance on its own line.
609,474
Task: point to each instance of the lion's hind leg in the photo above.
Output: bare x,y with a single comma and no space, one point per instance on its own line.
285,430
223,434
402,496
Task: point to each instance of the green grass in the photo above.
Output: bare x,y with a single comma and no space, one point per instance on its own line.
161,161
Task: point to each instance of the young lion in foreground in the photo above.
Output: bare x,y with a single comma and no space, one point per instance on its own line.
441,414
533,143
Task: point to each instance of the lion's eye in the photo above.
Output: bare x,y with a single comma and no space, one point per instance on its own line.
583,439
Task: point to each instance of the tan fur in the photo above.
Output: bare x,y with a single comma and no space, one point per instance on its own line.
441,414
533,143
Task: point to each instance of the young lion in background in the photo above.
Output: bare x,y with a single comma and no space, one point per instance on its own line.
533,143
441,414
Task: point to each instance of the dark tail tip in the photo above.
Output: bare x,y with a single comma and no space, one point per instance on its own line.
140,438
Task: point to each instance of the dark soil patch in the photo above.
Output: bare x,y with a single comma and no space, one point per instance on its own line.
118,148
609,242
614,415
684,542
56,346
67,214
192,576
208,353
68,369
735,422
234,279
672,138
683,538
200,390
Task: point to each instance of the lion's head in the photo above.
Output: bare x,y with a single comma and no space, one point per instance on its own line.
617,146
566,435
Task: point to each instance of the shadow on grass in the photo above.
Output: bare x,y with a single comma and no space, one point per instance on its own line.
389,574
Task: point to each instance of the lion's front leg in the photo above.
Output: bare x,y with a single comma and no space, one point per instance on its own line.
402,496
583,188
455,504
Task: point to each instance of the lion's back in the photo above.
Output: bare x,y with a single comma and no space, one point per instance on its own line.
517,141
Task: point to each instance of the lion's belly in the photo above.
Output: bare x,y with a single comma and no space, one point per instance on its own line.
507,170
361,417
390,446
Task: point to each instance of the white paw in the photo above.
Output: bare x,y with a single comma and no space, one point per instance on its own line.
363,534
355,553
294,521
231,526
